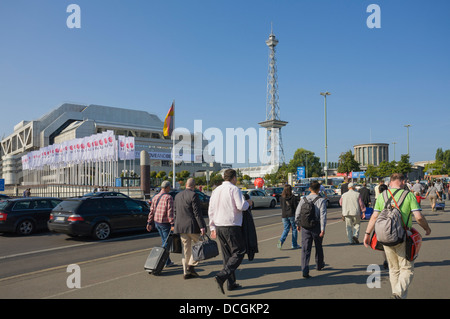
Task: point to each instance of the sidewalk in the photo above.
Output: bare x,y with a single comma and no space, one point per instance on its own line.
276,274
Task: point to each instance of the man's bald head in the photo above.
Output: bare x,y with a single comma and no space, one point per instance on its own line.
190,183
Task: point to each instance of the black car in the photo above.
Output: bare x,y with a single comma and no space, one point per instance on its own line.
26,215
105,193
98,217
275,192
204,199
300,191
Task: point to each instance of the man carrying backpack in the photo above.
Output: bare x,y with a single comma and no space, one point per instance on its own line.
311,216
401,270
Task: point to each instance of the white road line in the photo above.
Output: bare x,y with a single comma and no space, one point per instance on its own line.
68,246
43,250
92,285
92,243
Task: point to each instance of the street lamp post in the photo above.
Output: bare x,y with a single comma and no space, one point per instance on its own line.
394,148
407,135
324,94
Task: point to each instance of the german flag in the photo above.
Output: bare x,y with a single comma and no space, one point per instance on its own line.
169,121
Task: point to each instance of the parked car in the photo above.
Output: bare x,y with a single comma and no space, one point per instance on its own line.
260,198
299,191
332,198
106,193
275,192
26,215
172,193
98,217
204,199
3,196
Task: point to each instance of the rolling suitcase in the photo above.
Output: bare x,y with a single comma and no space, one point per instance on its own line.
157,258
440,205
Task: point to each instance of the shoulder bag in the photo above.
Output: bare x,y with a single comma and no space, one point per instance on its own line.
204,249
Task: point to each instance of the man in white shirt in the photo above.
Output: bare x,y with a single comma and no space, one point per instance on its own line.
225,220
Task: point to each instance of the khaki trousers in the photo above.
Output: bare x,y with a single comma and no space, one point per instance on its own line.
352,225
187,240
401,271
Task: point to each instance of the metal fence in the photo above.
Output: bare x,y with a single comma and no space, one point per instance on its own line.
65,191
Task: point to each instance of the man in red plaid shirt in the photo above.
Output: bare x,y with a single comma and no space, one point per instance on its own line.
161,212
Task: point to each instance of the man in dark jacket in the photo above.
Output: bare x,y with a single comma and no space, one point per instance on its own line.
365,195
189,223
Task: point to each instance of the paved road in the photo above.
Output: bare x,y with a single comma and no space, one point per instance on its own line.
36,267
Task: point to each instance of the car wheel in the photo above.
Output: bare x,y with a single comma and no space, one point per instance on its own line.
25,227
101,231
273,204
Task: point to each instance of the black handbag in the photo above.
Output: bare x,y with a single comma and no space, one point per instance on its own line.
176,246
204,249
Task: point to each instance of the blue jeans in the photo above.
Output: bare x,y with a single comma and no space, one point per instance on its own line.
164,231
289,223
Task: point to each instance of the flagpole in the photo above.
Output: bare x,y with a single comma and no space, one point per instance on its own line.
173,147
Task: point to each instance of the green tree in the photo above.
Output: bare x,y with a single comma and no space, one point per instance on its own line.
200,180
305,158
404,166
439,154
347,163
215,178
184,175
282,174
444,157
386,168
437,168
161,174
372,171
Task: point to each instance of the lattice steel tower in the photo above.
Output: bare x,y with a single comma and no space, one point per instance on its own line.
273,124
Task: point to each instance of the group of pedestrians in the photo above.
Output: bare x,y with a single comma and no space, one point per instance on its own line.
434,191
184,216
226,207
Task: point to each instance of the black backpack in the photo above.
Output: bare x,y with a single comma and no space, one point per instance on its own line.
307,217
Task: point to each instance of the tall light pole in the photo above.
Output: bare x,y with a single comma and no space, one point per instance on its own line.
407,135
324,94
394,149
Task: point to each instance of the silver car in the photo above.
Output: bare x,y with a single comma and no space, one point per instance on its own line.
260,198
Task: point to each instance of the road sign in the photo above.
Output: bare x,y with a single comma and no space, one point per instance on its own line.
2,184
301,172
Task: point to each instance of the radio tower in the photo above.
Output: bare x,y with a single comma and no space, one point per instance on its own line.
273,124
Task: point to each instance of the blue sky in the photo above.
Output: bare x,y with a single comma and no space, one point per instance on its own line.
210,56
